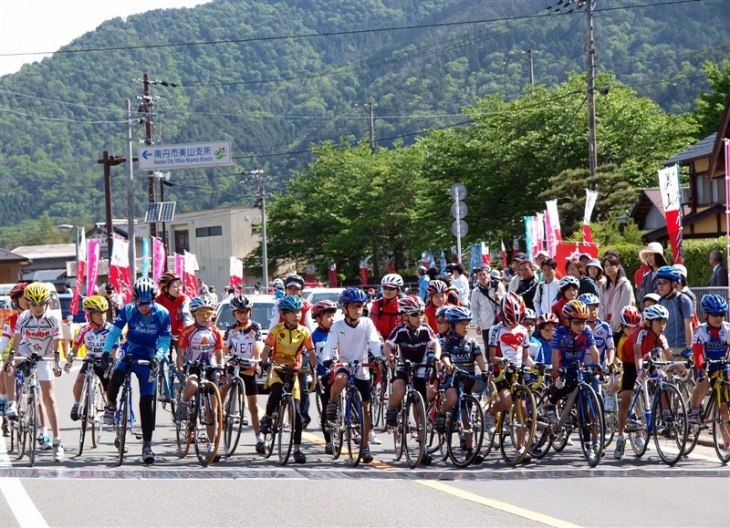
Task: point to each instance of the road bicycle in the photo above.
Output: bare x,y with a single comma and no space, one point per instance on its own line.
91,404
283,418
464,423
379,394
409,435
234,404
124,419
168,385
24,429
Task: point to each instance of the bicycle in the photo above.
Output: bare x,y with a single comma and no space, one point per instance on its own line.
284,416
436,441
124,416
204,423
465,423
379,395
410,431
28,392
91,405
659,411
715,413
168,385
234,404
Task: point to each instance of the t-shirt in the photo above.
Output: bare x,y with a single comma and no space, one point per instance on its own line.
645,338
604,339
572,347
93,338
674,330
287,345
353,343
462,352
201,342
37,333
510,344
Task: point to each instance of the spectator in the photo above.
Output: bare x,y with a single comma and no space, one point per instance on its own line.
423,281
681,310
547,290
719,273
595,272
212,294
461,283
653,256
541,257
615,293
485,299
514,282
528,284
432,273
587,285
567,291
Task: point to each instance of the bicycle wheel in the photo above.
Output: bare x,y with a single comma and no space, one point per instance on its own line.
175,387
233,409
490,433
83,414
379,402
686,388
541,442
20,426
518,426
121,439
414,429
398,440
610,418
470,428
286,428
33,417
97,405
669,418
183,429
355,430
208,423
639,437
721,426
435,441
590,424
336,429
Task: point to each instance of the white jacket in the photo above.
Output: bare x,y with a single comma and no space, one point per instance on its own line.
545,296
484,311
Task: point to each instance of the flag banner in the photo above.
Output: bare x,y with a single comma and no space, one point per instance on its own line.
540,224
552,207
180,265
93,257
549,236
504,255
431,260
528,235
145,257
535,234
669,188
119,274
159,259
191,283
235,279
566,251
73,307
332,275
475,256
310,273
591,197
363,271
486,258
442,262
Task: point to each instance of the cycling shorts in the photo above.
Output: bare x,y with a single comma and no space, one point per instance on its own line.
628,378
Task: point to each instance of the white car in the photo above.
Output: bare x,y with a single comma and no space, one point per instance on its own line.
263,307
320,294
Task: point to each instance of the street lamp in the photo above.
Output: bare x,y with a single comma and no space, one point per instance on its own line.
69,227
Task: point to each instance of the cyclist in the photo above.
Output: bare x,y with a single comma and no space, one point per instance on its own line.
242,340
171,296
384,311
324,314
7,379
39,331
711,341
442,324
93,336
437,291
568,288
353,338
148,338
630,319
412,340
534,347
679,330
460,351
286,343
637,347
546,324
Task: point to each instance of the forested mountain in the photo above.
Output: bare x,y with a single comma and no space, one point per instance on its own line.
274,77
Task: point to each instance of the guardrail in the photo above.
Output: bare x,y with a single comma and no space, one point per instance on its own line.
700,291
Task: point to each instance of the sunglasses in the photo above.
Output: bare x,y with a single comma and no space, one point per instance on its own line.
42,303
389,288
144,303
717,314
417,314
662,282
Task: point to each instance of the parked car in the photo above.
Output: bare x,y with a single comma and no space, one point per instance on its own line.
5,302
315,295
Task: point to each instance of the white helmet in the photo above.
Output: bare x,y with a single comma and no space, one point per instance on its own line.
392,279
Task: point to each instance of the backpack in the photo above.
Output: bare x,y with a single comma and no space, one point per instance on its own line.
695,319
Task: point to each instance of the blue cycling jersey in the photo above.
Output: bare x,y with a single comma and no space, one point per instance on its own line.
147,336
572,347
604,339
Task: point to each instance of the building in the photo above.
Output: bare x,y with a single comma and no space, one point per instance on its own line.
11,266
47,263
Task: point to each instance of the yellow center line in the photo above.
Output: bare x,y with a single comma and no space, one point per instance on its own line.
497,505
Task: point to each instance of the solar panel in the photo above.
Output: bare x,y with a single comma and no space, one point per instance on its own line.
160,212
153,212
168,211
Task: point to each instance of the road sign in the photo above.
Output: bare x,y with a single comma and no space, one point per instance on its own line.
462,210
458,191
459,228
185,156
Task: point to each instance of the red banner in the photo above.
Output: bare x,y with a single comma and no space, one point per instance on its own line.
587,237
120,278
567,251
669,185
332,276
80,274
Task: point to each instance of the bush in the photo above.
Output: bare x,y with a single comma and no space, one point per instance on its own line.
696,253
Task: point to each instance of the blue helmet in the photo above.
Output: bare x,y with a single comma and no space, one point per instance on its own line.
442,311
290,303
352,295
202,301
589,299
714,304
144,290
670,273
458,313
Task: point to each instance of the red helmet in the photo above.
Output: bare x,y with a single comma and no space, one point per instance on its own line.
168,278
545,318
323,306
411,305
512,309
630,316
17,291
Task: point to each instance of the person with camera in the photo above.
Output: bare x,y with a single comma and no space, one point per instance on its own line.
485,299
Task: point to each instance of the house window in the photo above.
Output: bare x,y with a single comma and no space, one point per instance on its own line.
201,232
182,241
709,191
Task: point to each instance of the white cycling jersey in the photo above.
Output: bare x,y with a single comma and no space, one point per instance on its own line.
36,334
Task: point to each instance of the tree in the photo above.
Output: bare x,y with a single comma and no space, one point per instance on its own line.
710,105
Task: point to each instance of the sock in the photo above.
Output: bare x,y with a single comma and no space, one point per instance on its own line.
56,440
3,398
259,437
76,402
44,431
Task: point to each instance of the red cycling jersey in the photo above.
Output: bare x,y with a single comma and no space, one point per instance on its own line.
384,314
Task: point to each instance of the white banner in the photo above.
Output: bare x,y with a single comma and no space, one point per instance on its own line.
591,197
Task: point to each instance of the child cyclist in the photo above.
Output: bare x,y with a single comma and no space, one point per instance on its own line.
384,311
285,344
7,379
93,336
242,340
352,338
38,331
546,324
437,294
412,340
323,313
635,350
462,352
711,341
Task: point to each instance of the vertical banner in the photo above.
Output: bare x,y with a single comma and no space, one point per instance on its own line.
80,272
145,257
552,207
474,256
727,207
235,279
504,255
528,235
310,273
93,257
191,283
549,235
332,275
442,262
540,234
119,275
591,197
431,260
363,271
180,266
159,259
486,258
669,187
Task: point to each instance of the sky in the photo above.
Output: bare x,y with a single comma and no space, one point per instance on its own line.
30,26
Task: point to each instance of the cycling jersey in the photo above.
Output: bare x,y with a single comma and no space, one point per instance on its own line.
287,345
179,309
534,349
147,336
572,347
510,344
93,339
412,345
645,338
201,342
384,314
319,338
354,343
462,352
239,340
6,341
603,337
546,351
37,333
710,342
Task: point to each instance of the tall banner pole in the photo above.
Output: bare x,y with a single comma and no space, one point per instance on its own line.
727,208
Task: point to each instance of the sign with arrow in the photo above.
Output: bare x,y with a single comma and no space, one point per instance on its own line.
185,156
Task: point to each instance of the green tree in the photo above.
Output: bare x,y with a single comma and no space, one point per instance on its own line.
710,105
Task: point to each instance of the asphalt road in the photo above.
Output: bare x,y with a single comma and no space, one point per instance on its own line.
248,490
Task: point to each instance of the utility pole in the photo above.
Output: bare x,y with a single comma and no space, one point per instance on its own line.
530,54
258,176
145,108
108,161
590,89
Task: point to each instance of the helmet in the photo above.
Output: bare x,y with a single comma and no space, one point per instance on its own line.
392,279
575,310
168,278
441,312
652,296
96,303
201,302
436,286
545,318
144,290
530,315
630,316
714,304
18,290
240,302
37,293
566,281
458,313
654,312
294,280
277,284
589,299
669,272
323,307
352,295
290,303
410,305
512,309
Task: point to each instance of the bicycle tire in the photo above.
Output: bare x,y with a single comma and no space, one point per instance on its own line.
686,388
490,435
435,441
720,424
414,429
124,422
97,406
336,429
669,435
471,412
398,447
233,412
32,425
270,438
183,430
541,442
21,428
518,426
355,428
610,419
209,412
83,414
287,417
590,420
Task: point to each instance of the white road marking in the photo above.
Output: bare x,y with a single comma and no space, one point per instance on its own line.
17,498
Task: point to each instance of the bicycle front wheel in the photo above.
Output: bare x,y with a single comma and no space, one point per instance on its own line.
33,417
83,414
490,433
637,427
518,426
541,442
435,441
336,429
414,429
464,436
669,418
208,423
287,416
123,424
96,407
233,408
720,415
590,424
355,428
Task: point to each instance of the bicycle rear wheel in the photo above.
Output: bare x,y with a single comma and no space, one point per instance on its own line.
183,429
233,408
518,426
590,424
355,431
721,426
379,402
398,440
414,429
83,414
490,434
639,438
208,423
121,439
33,417
97,405
464,437
286,428
669,418
541,442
